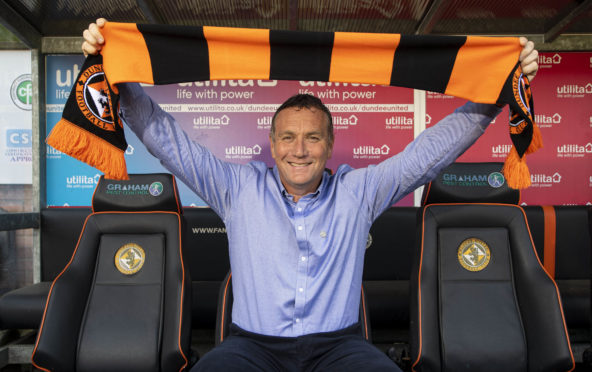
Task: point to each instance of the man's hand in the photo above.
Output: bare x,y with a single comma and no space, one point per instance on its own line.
93,39
529,58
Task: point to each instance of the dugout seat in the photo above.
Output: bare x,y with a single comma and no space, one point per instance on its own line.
480,298
122,303
224,316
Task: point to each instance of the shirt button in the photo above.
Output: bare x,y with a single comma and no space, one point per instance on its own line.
303,258
300,289
297,320
299,209
300,227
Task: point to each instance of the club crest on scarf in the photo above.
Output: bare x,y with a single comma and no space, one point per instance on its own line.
92,96
523,96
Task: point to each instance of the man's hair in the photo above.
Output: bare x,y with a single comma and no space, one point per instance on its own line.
304,101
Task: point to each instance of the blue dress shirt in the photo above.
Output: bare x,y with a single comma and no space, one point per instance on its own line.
297,266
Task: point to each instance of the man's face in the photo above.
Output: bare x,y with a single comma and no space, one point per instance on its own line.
300,147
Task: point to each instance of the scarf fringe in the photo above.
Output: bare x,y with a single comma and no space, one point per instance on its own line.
537,139
86,147
516,171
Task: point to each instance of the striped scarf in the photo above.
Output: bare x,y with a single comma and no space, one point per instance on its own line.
481,69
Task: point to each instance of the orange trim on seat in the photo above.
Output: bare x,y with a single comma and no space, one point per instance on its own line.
534,251
176,193
72,258
49,296
182,287
419,291
224,307
364,314
427,193
550,239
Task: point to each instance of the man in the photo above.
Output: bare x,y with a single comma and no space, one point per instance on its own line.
296,234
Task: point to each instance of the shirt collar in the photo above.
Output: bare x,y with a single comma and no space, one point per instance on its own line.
288,196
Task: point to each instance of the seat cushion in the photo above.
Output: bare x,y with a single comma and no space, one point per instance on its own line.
23,308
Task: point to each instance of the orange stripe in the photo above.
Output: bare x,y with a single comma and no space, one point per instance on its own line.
236,53
469,80
179,206
129,47
364,314
182,290
550,239
363,57
419,316
224,308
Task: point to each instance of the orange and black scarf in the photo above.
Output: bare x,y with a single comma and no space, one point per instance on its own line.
481,69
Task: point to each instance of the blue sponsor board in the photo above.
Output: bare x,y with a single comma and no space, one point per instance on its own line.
69,181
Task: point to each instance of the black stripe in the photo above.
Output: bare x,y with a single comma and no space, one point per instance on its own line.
177,53
297,55
425,61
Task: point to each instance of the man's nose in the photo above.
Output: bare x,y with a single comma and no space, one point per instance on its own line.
300,147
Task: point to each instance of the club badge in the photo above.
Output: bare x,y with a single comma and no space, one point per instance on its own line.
474,254
129,259
92,96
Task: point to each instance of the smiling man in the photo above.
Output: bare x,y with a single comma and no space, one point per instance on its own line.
301,140
297,234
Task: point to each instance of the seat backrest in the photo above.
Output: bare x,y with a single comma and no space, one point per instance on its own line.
123,300
224,319
470,183
480,298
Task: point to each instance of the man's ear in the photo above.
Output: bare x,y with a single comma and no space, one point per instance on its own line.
271,146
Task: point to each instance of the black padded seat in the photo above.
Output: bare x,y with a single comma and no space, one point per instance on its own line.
22,308
123,301
481,300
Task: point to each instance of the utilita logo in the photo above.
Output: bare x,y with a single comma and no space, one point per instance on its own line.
399,121
266,120
544,180
341,121
370,152
51,153
211,121
548,61
574,150
574,89
500,150
242,152
82,181
546,120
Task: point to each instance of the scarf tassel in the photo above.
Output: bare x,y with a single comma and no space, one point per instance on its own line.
85,146
515,169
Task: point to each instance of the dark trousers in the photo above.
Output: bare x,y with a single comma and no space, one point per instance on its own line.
343,350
